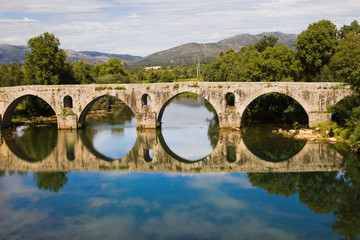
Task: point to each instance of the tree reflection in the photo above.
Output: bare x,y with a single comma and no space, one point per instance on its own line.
347,211
322,192
317,190
51,181
269,146
31,143
213,129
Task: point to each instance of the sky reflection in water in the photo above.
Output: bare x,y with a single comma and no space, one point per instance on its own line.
114,141
185,130
154,206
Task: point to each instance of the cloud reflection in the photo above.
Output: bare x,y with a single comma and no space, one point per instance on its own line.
138,206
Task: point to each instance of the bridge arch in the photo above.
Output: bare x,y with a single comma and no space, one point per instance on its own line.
88,106
6,121
170,98
303,104
302,99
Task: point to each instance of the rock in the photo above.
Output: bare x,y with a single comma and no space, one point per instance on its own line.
292,131
332,139
312,139
305,131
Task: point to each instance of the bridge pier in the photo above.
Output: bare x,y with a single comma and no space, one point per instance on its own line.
146,120
318,117
229,120
67,121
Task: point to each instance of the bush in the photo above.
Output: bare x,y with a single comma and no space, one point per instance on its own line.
354,140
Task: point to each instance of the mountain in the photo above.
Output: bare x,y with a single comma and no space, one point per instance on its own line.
189,53
93,57
13,53
186,53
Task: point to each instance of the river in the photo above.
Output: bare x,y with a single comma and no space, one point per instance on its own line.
187,181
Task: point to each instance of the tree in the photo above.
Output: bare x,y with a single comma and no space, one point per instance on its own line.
266,41
315,46
12,75
345,30
113,67
230,66
345,63
45,63
276,63
82,72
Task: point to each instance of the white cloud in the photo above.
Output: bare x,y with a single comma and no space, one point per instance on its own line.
24,20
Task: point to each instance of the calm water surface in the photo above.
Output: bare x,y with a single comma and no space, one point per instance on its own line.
186,182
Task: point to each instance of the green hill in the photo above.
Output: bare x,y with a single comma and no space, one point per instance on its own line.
186,53
189,53
13,53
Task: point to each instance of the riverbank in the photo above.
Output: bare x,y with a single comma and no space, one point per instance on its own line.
313,134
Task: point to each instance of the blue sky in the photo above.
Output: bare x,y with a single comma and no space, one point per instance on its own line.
142,27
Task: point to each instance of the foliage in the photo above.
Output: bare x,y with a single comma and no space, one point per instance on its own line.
229,66
315,46
345,63
276,63
347,114
82,72
266,41
11,75
33,106
113,67
45,64
274,108
346,29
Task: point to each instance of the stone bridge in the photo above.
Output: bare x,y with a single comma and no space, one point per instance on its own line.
71,103
73,153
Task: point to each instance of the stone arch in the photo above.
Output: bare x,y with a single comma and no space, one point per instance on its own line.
145,100
302,100
68,102
6,121
251,99
88,106
230,99
166,103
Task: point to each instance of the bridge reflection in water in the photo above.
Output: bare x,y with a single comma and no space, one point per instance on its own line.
73,151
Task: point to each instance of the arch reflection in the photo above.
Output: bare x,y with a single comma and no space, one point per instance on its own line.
268,146
189,127
32,144
150,153
111,128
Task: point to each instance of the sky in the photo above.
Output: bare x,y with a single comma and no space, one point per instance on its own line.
143,27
